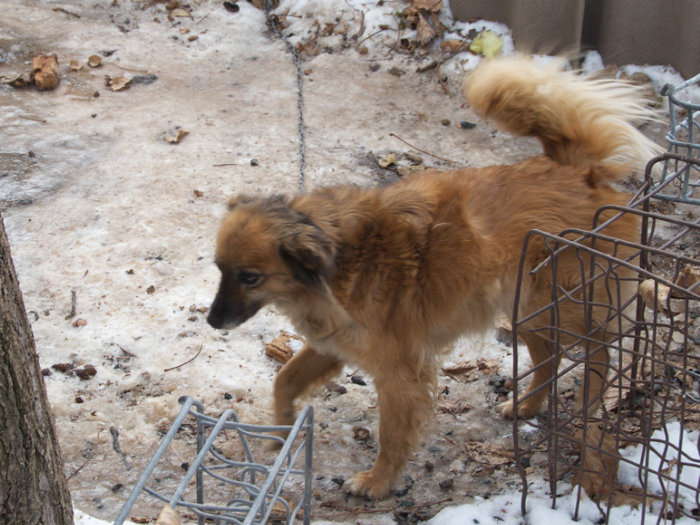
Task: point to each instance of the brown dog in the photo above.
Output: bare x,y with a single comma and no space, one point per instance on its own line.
384,278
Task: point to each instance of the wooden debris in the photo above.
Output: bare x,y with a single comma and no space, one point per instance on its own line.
279,348
45,72
168,516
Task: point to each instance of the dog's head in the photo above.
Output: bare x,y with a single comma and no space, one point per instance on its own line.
267,252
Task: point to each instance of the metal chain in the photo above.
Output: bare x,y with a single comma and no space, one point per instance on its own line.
300,97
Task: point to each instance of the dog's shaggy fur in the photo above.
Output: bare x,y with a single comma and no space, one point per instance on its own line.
384,278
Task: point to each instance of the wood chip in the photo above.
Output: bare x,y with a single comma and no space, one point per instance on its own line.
280,349
45,71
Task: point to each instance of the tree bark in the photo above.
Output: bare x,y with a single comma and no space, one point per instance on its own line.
33,487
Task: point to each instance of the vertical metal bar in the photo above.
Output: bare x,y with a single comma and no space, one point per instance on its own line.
186,402
308,467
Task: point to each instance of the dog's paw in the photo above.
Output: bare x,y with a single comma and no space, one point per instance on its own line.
525,411
506,409
365,484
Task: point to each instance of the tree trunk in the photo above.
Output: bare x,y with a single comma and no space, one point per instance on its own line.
33,487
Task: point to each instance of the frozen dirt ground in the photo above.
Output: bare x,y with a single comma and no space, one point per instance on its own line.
96,201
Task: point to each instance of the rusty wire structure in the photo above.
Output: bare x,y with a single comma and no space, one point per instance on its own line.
640,446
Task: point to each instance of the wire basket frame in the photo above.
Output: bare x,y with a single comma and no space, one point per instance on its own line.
683,138
255,488
640,446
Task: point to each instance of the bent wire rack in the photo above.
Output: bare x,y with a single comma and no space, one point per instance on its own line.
254,489
641,445
683,138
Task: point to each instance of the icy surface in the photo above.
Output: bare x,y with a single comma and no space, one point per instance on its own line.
96,201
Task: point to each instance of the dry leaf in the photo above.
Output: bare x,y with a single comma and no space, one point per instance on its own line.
75,65
45,71
486,454
116,84
94,60
487,43
181,134
655,296
687,279
427,5
424,31
388,161
456,408
184,30
181,13
279,348
465,372
450,46
488,366
168,516
19,81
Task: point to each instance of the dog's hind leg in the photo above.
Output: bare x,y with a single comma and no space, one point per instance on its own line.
304,371
536,393
404,403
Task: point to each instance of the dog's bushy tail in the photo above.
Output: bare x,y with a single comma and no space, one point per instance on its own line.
578,120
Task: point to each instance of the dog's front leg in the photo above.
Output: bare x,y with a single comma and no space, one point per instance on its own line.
304,371
404,403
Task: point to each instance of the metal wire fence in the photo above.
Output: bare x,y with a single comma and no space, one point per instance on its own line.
640,305
253,489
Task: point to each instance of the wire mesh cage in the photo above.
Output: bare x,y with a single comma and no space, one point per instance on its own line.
637,441
678,179
253,490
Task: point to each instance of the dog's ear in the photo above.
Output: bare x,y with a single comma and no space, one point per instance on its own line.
306,250
240,199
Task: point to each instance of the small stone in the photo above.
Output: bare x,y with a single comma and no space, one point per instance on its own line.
192,318
396,71
254,162
185,466
151,289
338,481
467,125
79,400
446,122
117,487
86,372
374,68
227,396
130,272
79,323
358,380
429,465
198,193
446,484
45,372
335,387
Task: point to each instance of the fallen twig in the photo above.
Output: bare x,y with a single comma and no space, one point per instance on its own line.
125,351
115,445
422,151
436,63
73,304
127,68
35,119
93,446
441,82
373,34
60,9
210,12
220,165
183,364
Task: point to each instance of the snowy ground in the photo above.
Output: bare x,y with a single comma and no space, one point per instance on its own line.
96,201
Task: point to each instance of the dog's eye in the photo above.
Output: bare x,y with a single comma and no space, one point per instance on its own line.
248,278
